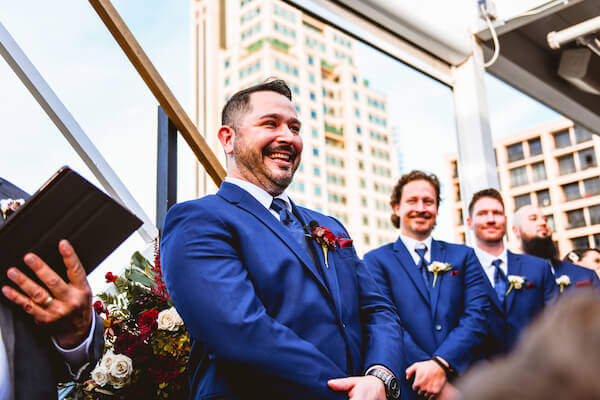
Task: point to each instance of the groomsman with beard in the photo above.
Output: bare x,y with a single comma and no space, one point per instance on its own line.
531,228
513,307
437,287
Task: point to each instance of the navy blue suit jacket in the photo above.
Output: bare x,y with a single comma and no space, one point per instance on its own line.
580,276
265,321
506,321
450,322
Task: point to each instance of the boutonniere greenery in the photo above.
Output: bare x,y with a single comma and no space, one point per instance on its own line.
9,206
563,281
324,237
436,267
516,282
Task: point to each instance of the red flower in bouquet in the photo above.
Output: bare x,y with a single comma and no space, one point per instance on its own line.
110,278
166,369
147,322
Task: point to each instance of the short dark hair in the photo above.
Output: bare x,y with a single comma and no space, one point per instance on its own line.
240,101
413,175
577,254
490,192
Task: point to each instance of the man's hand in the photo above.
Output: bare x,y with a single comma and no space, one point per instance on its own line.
360,387
429,378
67,310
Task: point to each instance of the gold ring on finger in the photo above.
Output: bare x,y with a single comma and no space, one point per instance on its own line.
48,301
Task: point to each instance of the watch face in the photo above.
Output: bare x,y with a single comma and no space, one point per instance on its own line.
394,388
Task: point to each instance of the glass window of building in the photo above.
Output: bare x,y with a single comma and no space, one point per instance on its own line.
581,242
597,240
518,176
562,139
592,186
539,171
535,147
522,200
515,152
459,216
317,190
550,221
365,220
457,191
575,218
582,134
543,198
571,191
594,214
455,169
587,158
566,164
316,171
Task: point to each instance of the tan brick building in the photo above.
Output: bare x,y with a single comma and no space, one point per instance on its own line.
553,166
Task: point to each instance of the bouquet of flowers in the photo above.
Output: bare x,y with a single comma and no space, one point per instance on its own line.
146,344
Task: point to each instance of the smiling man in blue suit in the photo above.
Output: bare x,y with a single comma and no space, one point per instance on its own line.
513,308
437,287
274,310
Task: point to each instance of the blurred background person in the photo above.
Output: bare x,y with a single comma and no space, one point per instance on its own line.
588,258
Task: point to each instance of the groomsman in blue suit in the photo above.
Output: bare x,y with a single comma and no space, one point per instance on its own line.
276,300
438,288
531,228
513,305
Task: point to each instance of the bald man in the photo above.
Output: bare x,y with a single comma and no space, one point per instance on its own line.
532,230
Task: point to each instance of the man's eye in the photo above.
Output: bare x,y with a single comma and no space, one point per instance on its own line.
295,129
270,123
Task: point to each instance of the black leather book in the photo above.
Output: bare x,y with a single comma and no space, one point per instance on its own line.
66,207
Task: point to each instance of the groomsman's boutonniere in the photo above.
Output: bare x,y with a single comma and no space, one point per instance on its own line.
9,206
436,267
563,281
325,238
516,281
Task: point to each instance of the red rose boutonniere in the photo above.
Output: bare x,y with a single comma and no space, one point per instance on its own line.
324,237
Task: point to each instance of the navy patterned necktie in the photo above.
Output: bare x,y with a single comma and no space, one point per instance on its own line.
292,223
500,281
423,265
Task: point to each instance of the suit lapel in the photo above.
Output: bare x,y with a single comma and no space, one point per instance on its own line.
438,253
247,202
513,268
7,328
330,273
492,294
406,261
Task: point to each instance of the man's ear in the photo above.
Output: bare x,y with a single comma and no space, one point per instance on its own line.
515,230
469,222
226,136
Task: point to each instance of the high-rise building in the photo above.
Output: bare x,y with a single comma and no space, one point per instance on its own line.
348,163
555,167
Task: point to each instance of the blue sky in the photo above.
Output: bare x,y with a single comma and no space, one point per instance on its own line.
78,57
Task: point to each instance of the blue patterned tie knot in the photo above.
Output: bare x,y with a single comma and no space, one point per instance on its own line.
421,250
500,281
292,223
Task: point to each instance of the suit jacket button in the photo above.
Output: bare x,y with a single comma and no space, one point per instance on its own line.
438,327
344,326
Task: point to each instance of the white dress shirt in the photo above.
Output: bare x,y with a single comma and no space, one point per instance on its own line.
485,259
262,196
412,244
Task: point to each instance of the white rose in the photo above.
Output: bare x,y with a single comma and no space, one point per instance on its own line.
107,360
121,367
169,320
563,280
517,281
100,375
118,383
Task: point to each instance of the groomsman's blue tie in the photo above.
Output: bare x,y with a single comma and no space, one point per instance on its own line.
500,281
292,223
423,264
